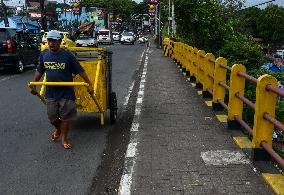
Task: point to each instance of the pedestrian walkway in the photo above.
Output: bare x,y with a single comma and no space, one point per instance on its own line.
181,146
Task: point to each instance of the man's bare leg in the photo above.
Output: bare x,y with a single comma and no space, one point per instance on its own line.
64,127
57,132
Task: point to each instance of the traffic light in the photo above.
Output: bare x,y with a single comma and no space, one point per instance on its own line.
152,5
153,2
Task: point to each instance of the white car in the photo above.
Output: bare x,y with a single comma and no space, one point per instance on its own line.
86,41
104,36
127,37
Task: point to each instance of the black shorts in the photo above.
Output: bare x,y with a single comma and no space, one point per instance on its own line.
65,110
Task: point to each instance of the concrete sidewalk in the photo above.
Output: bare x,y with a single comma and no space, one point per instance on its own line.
179,141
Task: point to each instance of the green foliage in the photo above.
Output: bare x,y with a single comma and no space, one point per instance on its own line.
242,49
249,20
266,24
202,22
271,28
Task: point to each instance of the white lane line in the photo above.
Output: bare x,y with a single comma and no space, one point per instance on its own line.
131,150
126,99
131,153
134,127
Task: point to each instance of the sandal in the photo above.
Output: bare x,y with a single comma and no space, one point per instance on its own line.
55,137
67,146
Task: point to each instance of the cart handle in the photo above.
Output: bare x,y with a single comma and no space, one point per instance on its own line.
58,84
94,97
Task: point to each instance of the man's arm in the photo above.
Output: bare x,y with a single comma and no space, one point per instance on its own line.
37,77
87,80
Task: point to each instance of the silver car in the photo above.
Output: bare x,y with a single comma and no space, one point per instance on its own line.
127,37
86,41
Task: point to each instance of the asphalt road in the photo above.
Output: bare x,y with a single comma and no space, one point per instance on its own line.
30,163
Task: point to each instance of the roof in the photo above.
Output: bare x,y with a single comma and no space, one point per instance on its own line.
24,19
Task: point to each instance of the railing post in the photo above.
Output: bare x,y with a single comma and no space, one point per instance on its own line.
219,76
263,129
200,64
179,54
189,60
171,49
209,69
183,54
235,105
193,74
176,52
166,46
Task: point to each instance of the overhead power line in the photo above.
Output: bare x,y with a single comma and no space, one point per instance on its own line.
262,3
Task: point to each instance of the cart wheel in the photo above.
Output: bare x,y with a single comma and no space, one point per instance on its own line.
19,68
113,108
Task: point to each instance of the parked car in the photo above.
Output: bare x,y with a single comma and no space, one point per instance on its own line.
17,49
66,41
84,40
116,36
127,37
104,36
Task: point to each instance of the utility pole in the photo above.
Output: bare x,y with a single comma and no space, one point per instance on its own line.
169,19
4,11
159,27
173,20
156,21
43,16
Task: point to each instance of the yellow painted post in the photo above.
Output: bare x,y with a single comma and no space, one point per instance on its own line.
235,105
209,69
265,103
193,74
169,49
166,46
184,61
200,65
177,56
174,51
189,60
183,56
180,54
219,76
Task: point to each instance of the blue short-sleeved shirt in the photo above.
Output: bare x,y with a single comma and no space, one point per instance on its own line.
59,67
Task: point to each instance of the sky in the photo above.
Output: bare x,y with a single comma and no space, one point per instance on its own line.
249,3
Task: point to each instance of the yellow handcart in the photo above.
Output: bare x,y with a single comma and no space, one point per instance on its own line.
97,63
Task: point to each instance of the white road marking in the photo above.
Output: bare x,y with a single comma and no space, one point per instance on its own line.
134,127
224,157
131,153
131,150
126,99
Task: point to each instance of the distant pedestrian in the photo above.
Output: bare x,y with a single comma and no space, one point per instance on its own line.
59,65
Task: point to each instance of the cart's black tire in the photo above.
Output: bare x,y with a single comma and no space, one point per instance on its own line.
19,67
113,108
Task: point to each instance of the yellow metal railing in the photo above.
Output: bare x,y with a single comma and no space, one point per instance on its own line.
211,75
